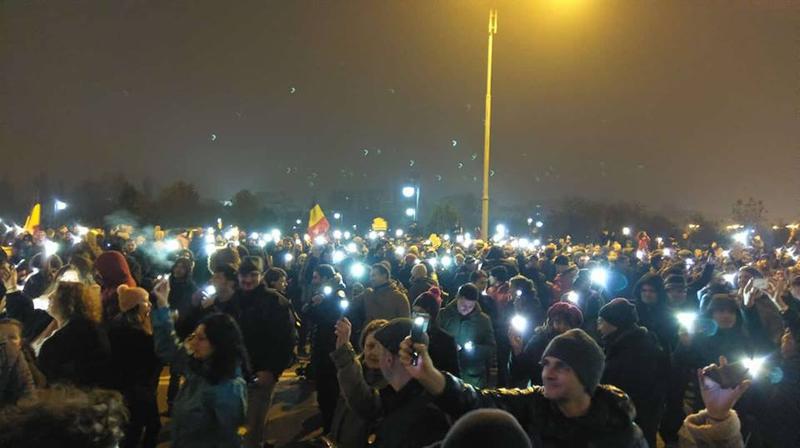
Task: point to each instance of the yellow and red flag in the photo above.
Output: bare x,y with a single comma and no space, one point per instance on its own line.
34,220
317,223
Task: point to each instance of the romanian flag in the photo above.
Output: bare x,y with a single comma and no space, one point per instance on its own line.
317,223
34,220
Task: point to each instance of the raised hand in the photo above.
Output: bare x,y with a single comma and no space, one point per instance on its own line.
719,401
343,331
161,291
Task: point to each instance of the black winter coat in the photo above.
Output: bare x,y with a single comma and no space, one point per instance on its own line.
408,418
636,363
79,354
180,295
267,325
443,350
609,422
134,365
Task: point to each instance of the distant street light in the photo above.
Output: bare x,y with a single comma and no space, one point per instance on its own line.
410,212
337,216
60,205
412,192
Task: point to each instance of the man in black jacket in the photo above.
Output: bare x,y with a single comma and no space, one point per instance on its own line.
325,309
570,409
267,325
635,362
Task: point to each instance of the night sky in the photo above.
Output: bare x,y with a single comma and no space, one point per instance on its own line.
673,103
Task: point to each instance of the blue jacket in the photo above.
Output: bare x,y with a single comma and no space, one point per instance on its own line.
204,414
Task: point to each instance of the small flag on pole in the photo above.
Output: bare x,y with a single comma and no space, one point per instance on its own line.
317,223
34,220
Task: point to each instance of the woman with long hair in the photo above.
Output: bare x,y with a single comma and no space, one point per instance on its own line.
78,351
210,406
135,365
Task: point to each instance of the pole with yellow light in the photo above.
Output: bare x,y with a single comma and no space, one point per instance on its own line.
487,128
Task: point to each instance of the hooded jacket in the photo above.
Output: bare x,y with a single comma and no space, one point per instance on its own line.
114,271
656,317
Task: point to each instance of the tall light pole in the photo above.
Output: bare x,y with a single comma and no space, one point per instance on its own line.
487,128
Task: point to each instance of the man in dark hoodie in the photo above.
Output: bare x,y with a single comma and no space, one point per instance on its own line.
181,286
635,362
651,306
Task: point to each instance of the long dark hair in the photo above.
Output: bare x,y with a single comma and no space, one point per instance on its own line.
229,351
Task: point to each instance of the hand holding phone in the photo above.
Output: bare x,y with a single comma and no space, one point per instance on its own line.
419,328
728,376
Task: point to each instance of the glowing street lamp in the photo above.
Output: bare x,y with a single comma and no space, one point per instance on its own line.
60,205
412,192
626,231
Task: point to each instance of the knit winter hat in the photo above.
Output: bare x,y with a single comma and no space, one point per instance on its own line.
578,350
392,334
620,313
430,301
486,427
567,311
130,298
469,292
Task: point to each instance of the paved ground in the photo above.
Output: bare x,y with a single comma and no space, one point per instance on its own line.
293,416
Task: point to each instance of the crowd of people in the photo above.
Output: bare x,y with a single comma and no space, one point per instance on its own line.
408,341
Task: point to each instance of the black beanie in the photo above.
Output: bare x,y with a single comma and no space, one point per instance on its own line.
486,427
620,313
392,334
578,350
469,292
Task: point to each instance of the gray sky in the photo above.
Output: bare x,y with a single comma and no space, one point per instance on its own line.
672,103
